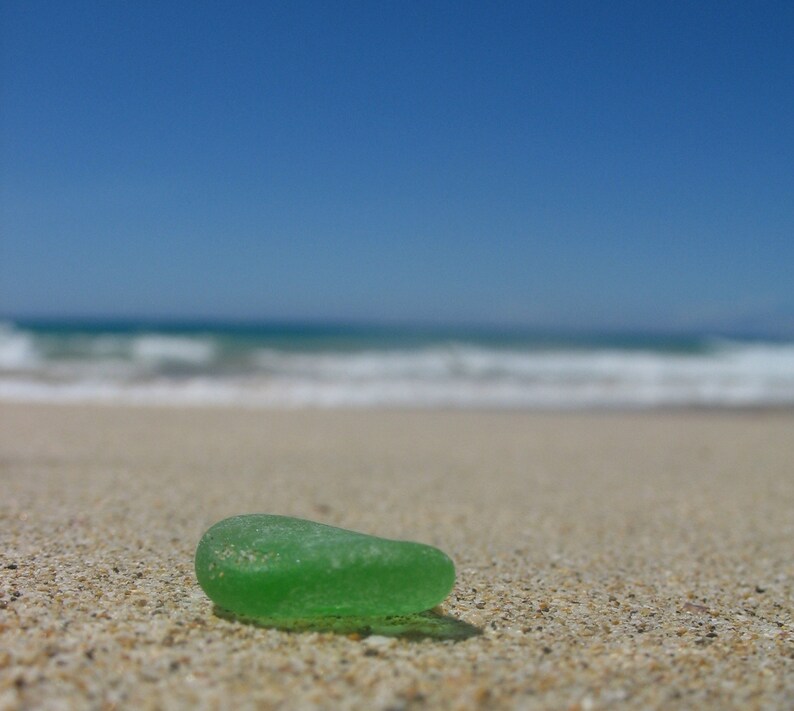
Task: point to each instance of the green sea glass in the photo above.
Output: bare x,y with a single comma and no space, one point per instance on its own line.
280,567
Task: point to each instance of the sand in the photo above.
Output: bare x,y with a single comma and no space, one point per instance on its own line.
604,560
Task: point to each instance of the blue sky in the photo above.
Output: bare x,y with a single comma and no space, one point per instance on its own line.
582,165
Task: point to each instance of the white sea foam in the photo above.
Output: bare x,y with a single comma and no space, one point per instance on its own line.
156,349
732,374
17,351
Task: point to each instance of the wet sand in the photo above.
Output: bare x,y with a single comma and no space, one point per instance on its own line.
604,560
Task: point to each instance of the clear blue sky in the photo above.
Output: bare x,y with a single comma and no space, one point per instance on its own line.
593,164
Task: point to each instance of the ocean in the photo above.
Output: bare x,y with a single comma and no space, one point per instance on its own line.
325,366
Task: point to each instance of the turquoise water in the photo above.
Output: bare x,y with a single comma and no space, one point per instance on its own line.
297,365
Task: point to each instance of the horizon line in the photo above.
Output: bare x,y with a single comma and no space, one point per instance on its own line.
319,324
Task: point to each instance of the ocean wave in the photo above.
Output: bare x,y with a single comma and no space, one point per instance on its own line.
209,369
17,349
173,349
30,351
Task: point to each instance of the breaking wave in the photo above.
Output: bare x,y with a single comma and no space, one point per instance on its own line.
214,368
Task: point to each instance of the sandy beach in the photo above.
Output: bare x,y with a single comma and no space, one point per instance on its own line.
604,560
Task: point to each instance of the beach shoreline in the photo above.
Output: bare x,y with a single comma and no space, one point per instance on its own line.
606,558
